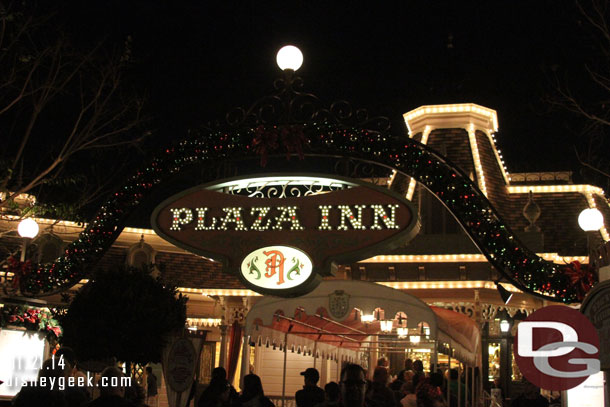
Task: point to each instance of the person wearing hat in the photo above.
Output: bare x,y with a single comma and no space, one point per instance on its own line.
311,394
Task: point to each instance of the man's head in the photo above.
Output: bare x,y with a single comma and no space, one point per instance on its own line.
380,375
383,362
311,376
111,383
530,390
418,366
51,370
219,373
148,370
67,356
353,385
332,391
408,364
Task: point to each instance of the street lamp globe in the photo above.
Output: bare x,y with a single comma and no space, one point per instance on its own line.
504,326
28,228
590,220
289,57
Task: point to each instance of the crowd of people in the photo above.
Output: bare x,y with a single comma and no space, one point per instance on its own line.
411,387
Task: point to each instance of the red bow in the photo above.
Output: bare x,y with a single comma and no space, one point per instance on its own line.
581,278
290,137
19,269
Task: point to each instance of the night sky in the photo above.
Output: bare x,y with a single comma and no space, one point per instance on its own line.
197,60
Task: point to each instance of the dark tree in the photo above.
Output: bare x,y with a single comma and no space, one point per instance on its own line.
66,110
584,89
123,313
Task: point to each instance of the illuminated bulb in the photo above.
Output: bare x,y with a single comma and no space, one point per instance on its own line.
260,213
415,338
28,228
379,213
367,318
402,332
504,326
346,213
590,220
289,57
289,214
386,325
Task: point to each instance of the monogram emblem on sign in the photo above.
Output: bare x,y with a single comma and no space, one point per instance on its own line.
338,304
274,264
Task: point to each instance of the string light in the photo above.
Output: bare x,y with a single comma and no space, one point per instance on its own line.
324,217
233,215
201,220
347,214
380,213
260,212
180,216
408,156
289,214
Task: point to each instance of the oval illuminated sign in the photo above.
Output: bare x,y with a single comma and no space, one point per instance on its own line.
275,269
333,227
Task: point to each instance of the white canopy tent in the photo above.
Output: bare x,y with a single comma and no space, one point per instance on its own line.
327,322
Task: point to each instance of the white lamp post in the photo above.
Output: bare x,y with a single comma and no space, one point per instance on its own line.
27,229
289,57
590,220
504,326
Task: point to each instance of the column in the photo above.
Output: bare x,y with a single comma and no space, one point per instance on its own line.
223,345
245,358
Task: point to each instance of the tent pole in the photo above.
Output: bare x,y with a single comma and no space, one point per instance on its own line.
245,360
472,385
284,375
449,369
459,386
466,385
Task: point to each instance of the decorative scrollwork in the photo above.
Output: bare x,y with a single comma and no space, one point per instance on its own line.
465,308
282,187
490,311
289,105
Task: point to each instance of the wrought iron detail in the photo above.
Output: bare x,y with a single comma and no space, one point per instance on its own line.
281,187
488,311
290,105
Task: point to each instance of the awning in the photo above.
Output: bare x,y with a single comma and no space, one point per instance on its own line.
327,321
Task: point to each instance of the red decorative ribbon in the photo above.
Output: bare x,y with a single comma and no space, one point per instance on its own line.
19,269
581,277
268,140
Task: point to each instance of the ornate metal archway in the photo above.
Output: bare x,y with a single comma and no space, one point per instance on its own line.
292,131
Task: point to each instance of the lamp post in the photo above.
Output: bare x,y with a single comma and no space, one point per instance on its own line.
590,220
27,229
289,57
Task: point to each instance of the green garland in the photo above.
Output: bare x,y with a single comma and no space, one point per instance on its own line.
556,282
32,319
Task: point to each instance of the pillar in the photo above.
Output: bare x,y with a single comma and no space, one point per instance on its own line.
223,346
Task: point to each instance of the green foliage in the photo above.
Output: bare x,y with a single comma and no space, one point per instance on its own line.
32,319
123,313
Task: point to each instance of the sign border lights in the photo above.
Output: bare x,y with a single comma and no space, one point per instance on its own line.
557,348
228,222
